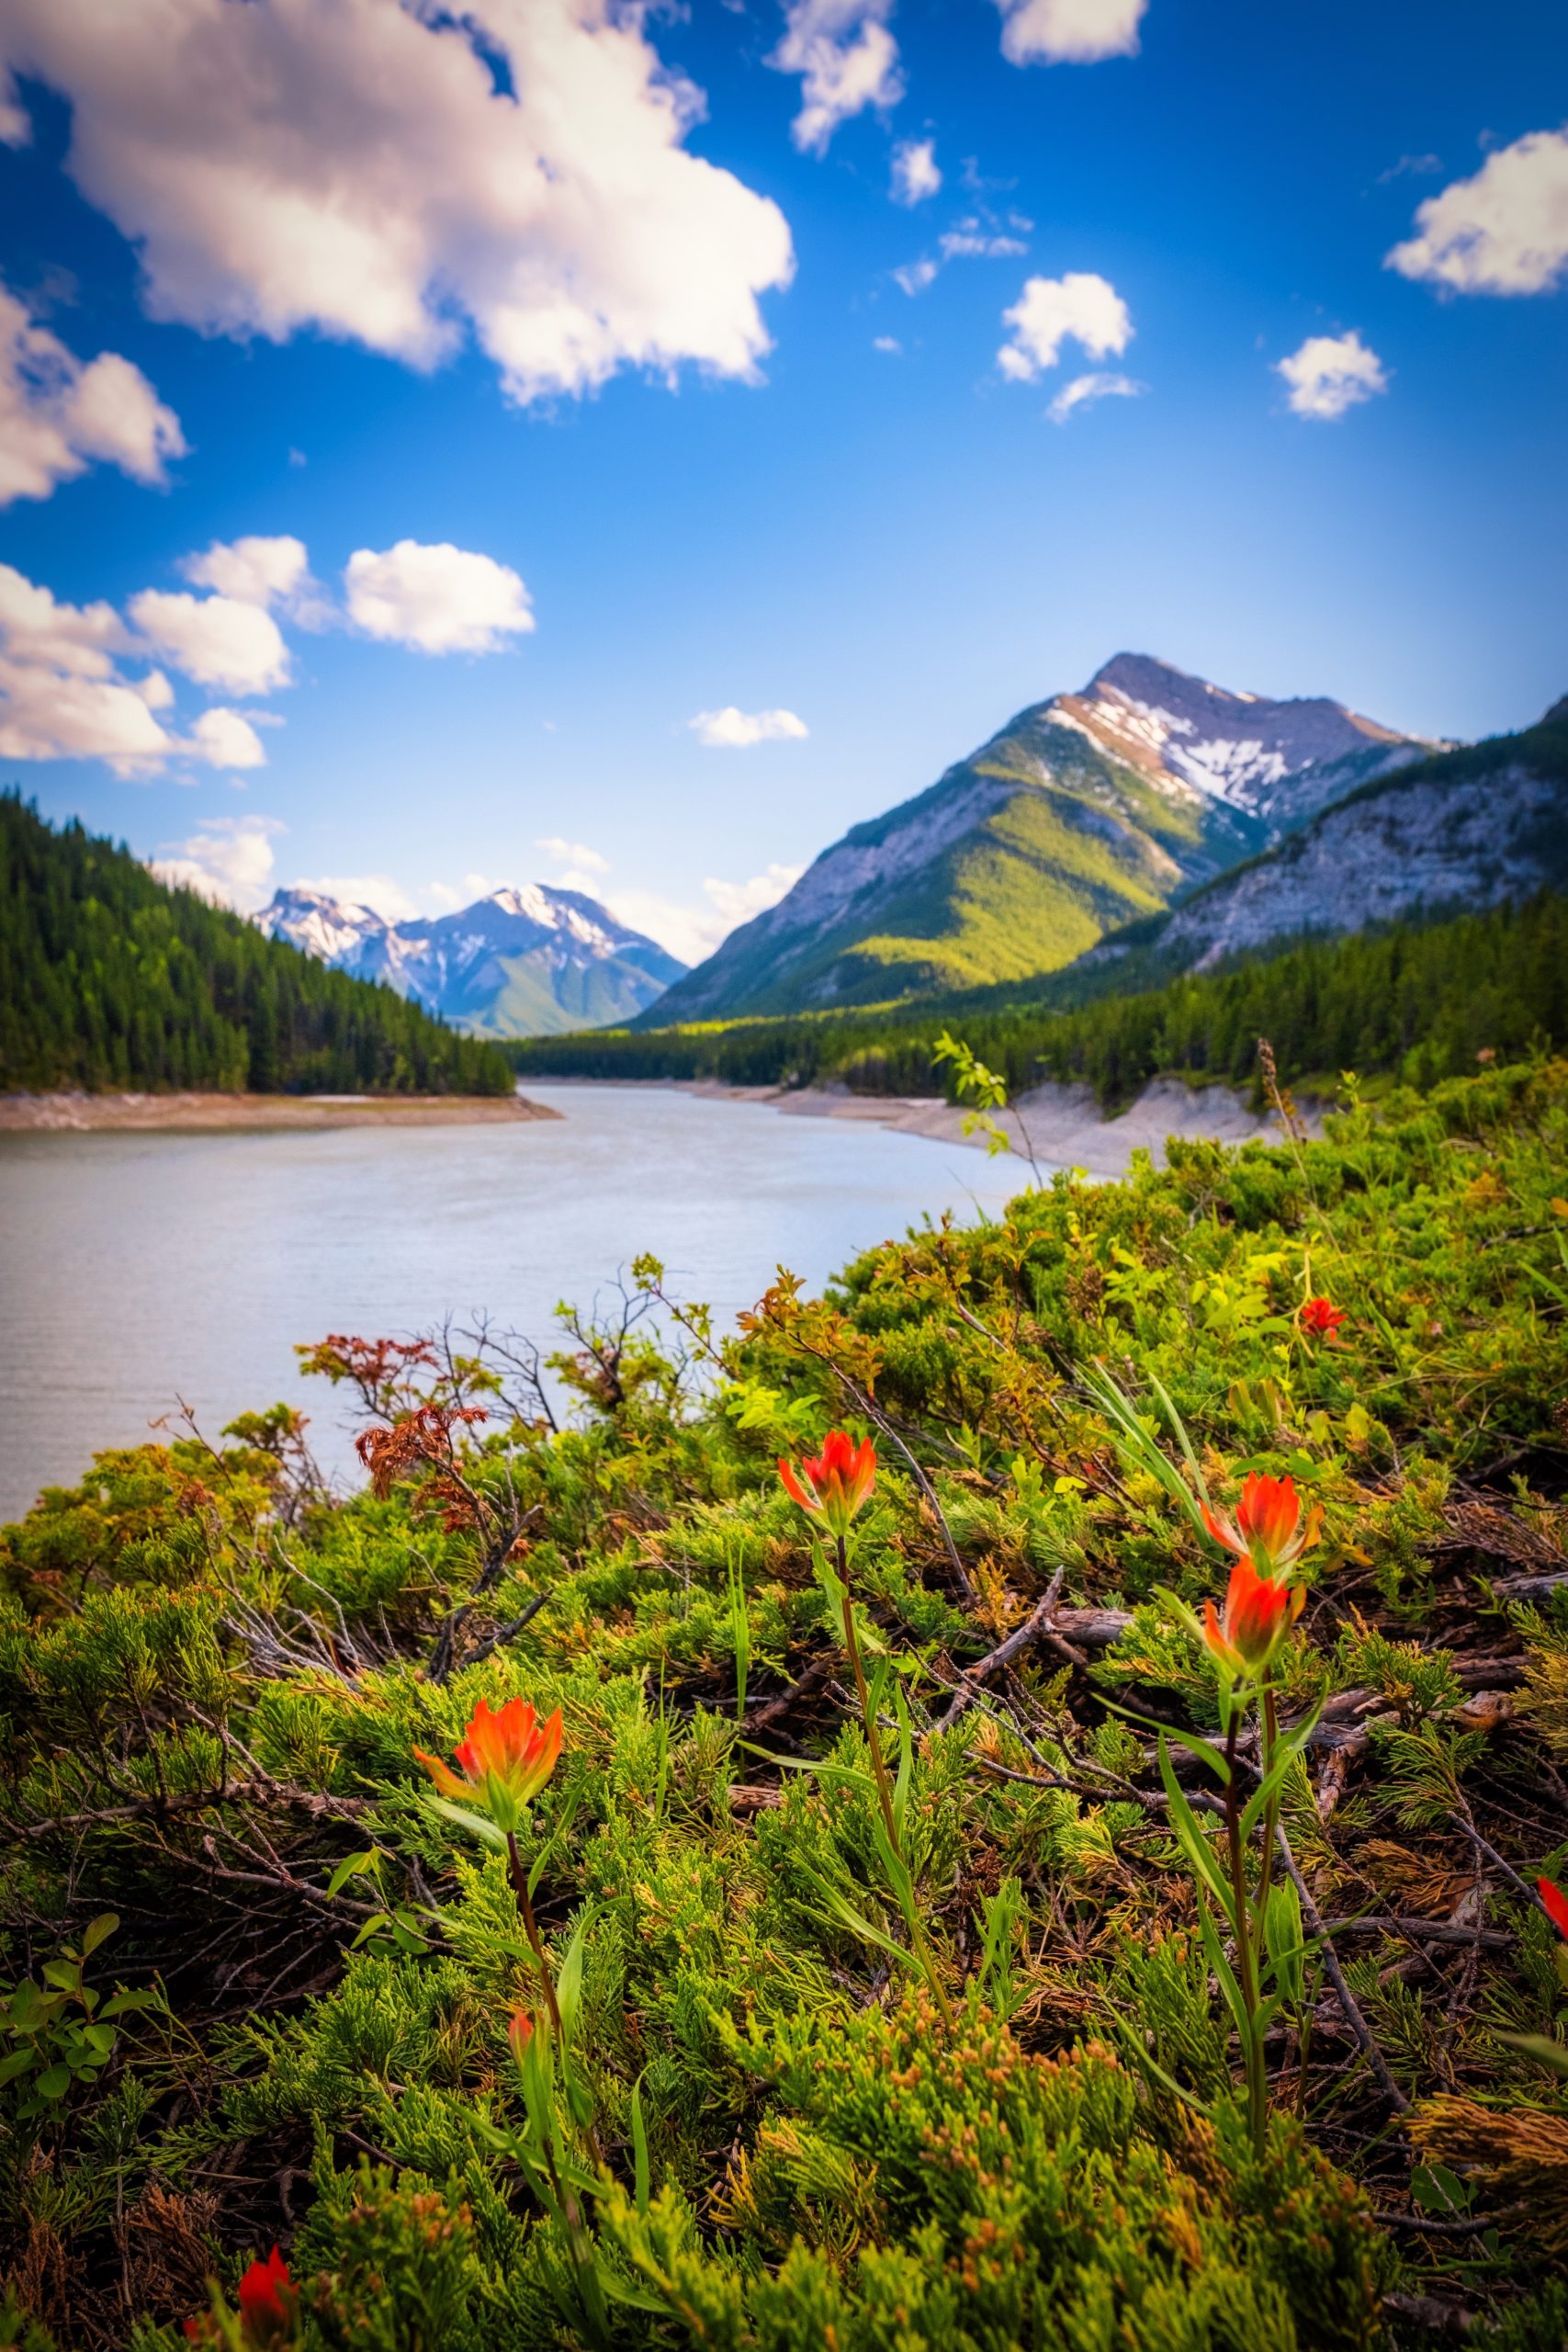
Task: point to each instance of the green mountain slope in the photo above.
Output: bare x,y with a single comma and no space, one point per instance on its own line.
110,980
1419,1000
1084,813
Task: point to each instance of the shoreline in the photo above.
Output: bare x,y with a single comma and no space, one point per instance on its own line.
193,1113
1066,1125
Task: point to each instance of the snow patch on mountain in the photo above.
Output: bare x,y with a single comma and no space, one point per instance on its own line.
524,961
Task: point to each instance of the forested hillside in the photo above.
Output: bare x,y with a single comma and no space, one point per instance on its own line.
909,1923
110,980
1418,1002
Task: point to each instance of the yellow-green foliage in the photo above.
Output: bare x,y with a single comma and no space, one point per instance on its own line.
212,1679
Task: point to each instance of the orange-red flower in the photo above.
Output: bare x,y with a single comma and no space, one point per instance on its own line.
838,1485
1258,1615
520,2033
1268,1529
1322,1317
267,2300
504,1761
1555,1904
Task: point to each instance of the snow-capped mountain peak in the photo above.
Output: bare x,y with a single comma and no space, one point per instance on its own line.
1231,746
522,962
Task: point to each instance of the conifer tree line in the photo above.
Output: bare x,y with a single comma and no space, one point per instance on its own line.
1419,1001
110,980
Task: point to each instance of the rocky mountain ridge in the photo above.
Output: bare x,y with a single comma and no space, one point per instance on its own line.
522,962
1473,828
1084,812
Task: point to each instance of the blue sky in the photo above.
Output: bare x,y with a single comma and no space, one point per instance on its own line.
580,454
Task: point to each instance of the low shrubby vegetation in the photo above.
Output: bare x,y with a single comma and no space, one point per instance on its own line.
110,980
1073,1864
1413,1001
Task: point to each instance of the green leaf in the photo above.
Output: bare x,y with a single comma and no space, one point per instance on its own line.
1438,2190
1283,1940
568,1983
99,1930
66,1973
1193,1843
55,2082
18,2063
641,2174
118,2004
621,2290
1285,1752
1194,1742
1225,1975
350,1867
477,1824
1542,2047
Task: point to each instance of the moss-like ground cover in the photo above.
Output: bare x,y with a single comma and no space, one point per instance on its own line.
260,1983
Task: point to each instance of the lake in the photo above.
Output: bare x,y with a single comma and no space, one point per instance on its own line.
142,1269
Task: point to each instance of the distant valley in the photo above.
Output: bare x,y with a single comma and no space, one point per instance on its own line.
521,963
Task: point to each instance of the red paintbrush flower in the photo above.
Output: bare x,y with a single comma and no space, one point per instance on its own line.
1554,1903
520,2033
268,2300
1258,1615
504,1761
837,1486
1321,1318
1268,1529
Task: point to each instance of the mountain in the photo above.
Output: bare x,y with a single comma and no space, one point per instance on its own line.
519,964
1470,827
111,979
1085,812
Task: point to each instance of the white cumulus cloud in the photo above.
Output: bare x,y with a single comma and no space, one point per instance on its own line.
65,693
1084,390
693,932
360,169
265,571
888,342
847,60
576,855
61,694
215,640
736,730
228,859
915,171
57,414
1331,373
1069,32
1079,308
224,740
1505,232
439,599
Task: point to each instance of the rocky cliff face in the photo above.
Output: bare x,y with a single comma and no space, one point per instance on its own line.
1086,811
521,963
1470,827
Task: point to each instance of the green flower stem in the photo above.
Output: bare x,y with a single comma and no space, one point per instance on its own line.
884,1791
1271,1807
530,1929
1246,1959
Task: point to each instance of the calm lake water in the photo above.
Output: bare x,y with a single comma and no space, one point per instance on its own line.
138,1269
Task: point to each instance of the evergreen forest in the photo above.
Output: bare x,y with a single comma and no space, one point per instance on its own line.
109,980
1075,1861
1413,1001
